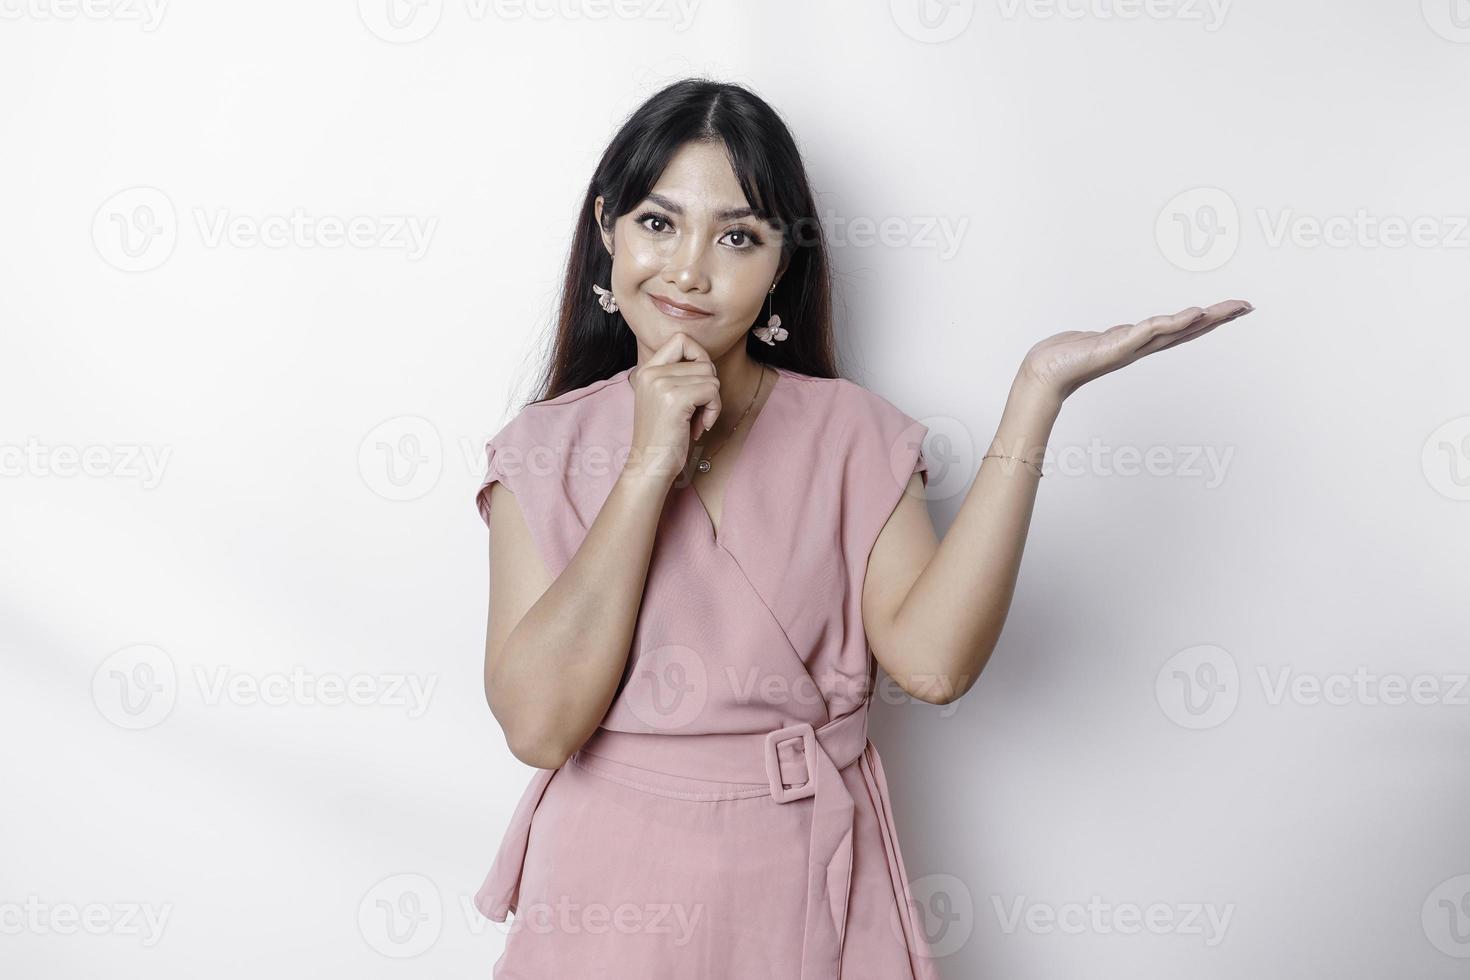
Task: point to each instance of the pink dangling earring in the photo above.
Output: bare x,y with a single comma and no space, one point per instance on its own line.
605,298
772,331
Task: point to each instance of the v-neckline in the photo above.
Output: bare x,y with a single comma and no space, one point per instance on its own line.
718,535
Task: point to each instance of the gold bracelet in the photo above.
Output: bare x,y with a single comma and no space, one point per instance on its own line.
1026,461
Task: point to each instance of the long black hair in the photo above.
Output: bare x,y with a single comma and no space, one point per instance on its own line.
591,344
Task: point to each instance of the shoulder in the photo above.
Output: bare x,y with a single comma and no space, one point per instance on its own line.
848,416
868,408
874,441
853,413
882,442
554,420
552,444
845,403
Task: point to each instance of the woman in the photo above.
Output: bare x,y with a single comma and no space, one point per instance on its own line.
686,652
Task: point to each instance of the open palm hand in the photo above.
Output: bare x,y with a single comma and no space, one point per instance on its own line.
1066,361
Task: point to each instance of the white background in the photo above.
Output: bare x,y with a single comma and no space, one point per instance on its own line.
314,417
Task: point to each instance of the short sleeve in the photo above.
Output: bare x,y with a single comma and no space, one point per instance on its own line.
884,448
921,466
529,457
495,472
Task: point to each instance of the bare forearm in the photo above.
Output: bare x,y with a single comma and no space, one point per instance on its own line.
953,615
560,667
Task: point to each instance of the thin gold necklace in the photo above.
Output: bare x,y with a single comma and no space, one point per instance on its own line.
704,463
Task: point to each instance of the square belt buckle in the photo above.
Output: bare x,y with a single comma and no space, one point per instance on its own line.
803,731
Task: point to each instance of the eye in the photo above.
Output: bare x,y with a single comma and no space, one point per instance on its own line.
745,234
653,216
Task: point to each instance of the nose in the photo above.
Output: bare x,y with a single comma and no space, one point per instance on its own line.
685,265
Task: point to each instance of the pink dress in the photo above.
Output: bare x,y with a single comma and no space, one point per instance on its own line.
730,817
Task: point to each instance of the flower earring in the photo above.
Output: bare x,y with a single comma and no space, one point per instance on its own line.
605,298
772,331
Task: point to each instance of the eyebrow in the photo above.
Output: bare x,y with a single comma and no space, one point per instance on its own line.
728,214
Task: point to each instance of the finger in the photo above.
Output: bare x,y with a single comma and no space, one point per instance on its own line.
1230,307
1208,320
1218,314
703,391
689,369
1226,310
681,369
682,347
1146,331
1193,334
1166,341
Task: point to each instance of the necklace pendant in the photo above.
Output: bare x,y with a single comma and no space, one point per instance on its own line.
704,466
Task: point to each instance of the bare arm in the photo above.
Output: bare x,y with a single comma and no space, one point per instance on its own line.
934,610
555,651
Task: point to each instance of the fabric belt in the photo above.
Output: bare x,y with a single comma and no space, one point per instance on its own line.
795,763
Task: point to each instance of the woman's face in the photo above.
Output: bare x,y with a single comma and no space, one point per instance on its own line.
693,241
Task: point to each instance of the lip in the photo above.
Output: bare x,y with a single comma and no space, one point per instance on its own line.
679,311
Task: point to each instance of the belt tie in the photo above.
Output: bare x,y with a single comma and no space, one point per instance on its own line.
796,762
816,773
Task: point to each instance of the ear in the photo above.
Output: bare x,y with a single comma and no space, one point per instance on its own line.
607,239
785,264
